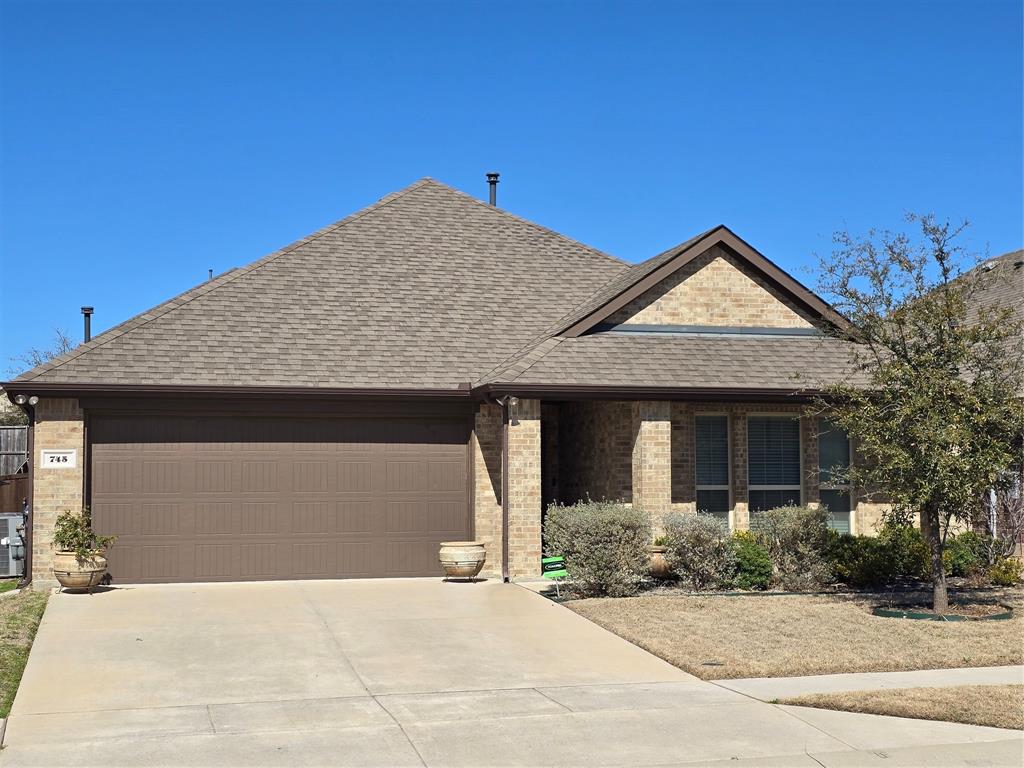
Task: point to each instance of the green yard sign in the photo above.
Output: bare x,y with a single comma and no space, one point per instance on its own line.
553,567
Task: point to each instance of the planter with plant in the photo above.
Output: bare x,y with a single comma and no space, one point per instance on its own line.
78,562
659,566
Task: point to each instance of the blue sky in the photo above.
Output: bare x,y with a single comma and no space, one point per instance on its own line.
146,142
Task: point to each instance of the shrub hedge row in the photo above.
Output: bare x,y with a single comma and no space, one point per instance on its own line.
606,550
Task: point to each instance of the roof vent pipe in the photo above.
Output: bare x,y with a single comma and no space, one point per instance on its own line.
492,182
87,318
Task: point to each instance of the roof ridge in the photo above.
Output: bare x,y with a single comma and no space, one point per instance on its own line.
137,321
521,220
558,341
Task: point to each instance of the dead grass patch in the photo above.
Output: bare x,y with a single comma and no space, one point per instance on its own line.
1000,706
718,637
19,619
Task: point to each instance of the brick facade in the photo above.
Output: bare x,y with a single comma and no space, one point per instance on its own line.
486,445
524,490
652,459
638,452
714,289
59,425
596,451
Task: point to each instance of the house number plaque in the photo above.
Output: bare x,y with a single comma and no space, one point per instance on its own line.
59,459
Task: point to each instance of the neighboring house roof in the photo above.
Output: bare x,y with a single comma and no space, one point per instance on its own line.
430,289
1000,284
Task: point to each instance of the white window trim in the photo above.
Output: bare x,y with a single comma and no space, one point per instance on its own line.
798,418
728,487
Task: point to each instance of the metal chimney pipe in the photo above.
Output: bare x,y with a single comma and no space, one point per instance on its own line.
87,317
492,181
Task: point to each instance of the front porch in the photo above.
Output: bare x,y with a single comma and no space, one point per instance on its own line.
721,458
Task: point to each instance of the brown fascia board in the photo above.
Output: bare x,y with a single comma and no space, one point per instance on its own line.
13,388
630,392
721,235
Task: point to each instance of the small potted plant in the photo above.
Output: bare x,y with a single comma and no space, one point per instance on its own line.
659,566
78,562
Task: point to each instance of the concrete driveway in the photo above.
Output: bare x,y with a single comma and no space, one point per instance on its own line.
405,672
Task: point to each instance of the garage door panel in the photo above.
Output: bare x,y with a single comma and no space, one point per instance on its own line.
216,476
268,498
355,517
260,518
259,561
217,517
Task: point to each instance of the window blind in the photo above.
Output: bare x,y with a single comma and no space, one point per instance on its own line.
773,450
712,434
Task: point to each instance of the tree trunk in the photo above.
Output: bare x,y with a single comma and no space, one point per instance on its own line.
932,533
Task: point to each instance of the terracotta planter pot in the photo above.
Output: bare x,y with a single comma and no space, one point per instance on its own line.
462,559
659,568
73,573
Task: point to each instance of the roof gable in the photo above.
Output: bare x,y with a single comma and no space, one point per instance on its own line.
717,290
628,294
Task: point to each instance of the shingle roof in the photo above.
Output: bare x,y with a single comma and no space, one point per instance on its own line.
427,288
700,360
1000,283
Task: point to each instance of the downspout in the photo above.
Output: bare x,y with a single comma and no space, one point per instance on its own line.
504,489
29,501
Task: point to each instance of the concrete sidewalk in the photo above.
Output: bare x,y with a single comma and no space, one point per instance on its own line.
405,672
771,688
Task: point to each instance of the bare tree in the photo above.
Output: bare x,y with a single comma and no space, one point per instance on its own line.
34,356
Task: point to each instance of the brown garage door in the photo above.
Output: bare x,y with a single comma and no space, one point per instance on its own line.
238,498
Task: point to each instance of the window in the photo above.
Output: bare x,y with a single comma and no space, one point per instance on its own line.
834,453
712,460
773,461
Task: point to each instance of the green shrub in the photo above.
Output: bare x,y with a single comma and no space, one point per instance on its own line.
909,552
699,550
605,545
1006,572
965,554
872,561
860,561
753,563
797,539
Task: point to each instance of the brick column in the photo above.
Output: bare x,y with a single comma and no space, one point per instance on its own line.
524,497
652,459
487,484
811,482
740,489
684,460
59,425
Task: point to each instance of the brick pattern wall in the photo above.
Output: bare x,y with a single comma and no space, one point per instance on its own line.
487,484
652,459
595,451
713,289
684,467
59,425
524,491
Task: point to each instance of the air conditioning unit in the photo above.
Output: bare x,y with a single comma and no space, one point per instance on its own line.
12,546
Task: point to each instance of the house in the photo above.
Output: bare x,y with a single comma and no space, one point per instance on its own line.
427,369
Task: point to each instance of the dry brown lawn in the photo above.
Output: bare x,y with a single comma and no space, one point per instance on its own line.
1001,706
718,637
